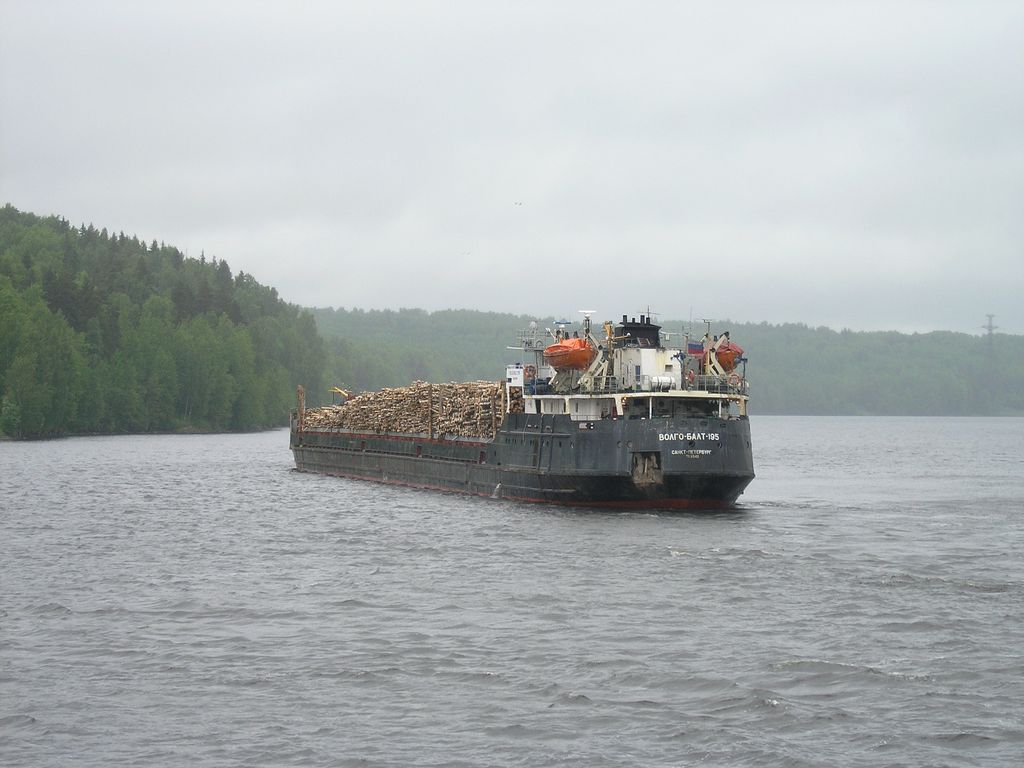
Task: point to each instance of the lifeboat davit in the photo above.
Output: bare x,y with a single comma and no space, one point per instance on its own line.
570,354
728,355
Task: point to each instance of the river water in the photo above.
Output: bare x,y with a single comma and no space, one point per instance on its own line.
192,600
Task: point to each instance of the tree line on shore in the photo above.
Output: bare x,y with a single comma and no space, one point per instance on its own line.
104,333
792,368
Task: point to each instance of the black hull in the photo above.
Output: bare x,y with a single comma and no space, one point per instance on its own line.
630,464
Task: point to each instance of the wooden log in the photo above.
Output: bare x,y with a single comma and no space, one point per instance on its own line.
468,409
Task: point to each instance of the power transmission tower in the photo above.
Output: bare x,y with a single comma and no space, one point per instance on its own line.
990,328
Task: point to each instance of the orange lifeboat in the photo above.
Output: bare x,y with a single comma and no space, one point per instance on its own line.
728,355
570,354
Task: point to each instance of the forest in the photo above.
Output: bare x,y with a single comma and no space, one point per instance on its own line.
104,333
793,368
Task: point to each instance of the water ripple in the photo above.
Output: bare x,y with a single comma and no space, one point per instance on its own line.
190,599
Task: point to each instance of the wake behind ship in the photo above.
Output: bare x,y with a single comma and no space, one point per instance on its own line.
613,419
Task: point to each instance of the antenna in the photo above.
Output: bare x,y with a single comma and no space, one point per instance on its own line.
586,319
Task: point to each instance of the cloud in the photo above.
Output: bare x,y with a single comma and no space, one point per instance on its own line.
842,164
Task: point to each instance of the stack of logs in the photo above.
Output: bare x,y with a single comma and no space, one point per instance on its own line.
470,409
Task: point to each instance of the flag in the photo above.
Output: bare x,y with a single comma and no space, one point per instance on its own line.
695,348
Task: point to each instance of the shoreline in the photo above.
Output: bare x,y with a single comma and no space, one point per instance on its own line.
183,433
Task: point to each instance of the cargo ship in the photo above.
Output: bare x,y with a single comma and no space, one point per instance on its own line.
607,417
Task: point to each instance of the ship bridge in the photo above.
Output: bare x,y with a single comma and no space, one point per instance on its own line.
632,374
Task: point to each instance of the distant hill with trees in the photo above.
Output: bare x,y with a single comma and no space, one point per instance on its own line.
793,368
103,333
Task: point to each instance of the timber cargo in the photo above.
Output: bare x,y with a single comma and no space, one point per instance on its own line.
609,419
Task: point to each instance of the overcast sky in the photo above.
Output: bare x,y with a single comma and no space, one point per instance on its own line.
848,164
